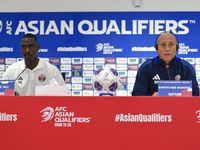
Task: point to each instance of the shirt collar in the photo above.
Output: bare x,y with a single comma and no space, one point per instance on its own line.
39,65
160,61
22,64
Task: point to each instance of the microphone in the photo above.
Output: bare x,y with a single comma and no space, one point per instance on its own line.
167,66
21,72
27,65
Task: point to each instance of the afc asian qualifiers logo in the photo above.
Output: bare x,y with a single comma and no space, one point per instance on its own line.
99,47
1,26
48,114
107,48
62,117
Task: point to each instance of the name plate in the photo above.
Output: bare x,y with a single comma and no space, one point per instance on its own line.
7,87
175,88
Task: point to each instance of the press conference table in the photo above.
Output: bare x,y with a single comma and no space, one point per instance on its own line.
99,123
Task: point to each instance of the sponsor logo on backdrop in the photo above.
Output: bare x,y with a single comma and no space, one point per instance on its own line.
44,59
62,117
132,60
99,60
8,117
121,93
130,87
123,80
122,67
197,60
76,67
67,80
198,74
68,74
77,73
122,73
10,60
190,60
77,86
113,66
142,60
71,49
87,80
54,60
87,93
65,60
88,67
1,74
121,60
123,87
76,93
76,80
131,80
76,60
2,67
65,67
155,117
132,67
197,67
97,67
198,80
87,87
88,73
88,60
110,60
106,48
132,73
2,60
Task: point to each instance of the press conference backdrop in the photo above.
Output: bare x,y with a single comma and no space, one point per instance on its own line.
79,43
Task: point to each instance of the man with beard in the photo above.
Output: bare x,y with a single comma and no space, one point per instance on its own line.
32,71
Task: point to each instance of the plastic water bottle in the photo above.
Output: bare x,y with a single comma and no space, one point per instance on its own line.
48,83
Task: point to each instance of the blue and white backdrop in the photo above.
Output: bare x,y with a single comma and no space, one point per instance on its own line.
80,42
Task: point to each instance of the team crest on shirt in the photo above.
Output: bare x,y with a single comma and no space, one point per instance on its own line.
42,78
178,77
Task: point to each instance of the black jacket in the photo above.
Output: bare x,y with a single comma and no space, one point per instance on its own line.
155,69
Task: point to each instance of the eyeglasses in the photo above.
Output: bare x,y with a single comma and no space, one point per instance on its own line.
24,47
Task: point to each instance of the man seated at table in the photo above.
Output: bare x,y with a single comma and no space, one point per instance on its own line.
166,66
34,71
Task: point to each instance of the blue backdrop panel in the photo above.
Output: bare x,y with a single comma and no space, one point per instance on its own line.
99,34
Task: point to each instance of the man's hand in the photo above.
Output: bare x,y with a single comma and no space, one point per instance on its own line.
155,94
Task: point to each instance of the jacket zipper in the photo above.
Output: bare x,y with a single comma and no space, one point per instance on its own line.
167,66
